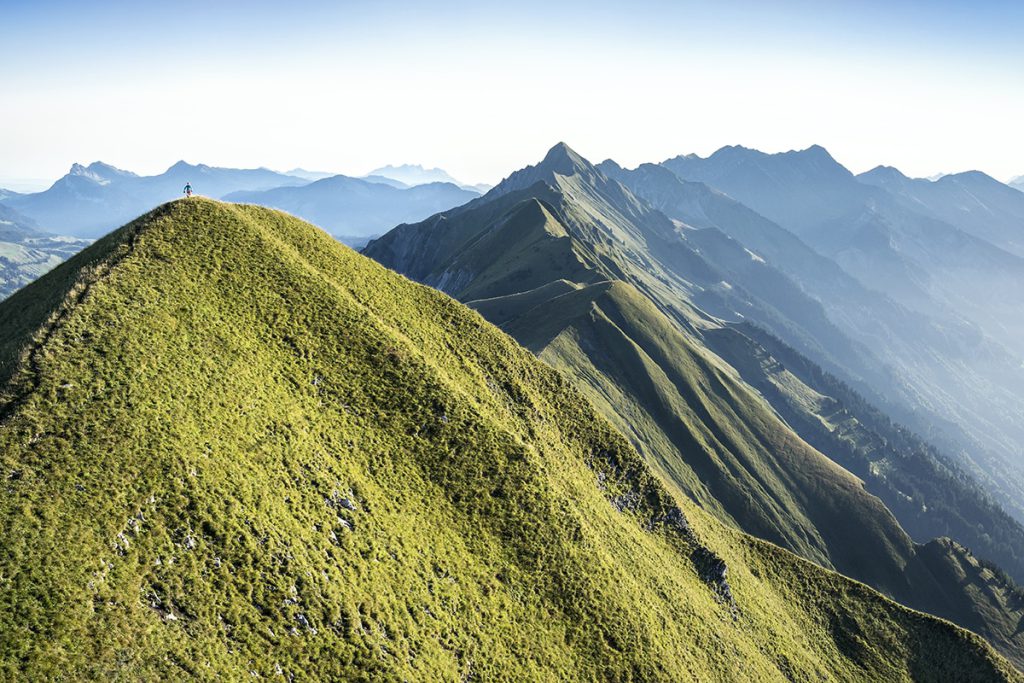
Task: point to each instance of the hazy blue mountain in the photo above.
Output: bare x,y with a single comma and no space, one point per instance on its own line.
619,297
1018,183
961,359
972,201
8,194
414,174
926,263
15,226
308,175
386,181
797,189
92,200
356,209
27,252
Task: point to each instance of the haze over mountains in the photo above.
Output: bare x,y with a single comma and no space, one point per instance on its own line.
958,353
236,449
356,209
26,252
92,200
415,174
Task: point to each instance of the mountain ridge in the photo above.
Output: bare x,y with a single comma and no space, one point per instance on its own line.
632,376
310,526
940,273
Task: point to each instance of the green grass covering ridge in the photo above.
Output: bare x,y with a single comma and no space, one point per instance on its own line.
235,448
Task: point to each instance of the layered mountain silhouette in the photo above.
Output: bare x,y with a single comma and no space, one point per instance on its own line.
646,314
973,201
234,448
92,200
357,209
896,465
415,174
308,175
956,360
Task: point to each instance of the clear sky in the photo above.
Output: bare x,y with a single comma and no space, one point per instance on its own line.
482,88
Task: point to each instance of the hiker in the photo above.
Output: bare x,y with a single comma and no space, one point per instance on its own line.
188,189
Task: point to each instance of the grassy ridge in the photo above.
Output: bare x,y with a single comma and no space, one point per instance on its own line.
233,447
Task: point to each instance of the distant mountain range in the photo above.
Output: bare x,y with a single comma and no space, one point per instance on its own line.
1018,183
972,201
355,209
308,175
955,352
667,302
91,200
414,174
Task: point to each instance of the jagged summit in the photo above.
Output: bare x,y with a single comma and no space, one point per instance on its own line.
99,172
734,152
413,174
885,175
563,160
183,166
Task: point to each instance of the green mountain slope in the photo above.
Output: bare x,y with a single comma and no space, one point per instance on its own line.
927,492
234,448
625,329
917,368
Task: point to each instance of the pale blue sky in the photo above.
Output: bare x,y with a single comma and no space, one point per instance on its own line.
482,88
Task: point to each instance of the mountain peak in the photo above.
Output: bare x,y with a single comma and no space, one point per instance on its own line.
815,154
883,173
107,169
610,167
563,160
968,176
99,172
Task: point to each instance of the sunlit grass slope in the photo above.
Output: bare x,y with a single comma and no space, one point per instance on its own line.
233,448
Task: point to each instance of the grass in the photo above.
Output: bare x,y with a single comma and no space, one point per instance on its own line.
232,447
